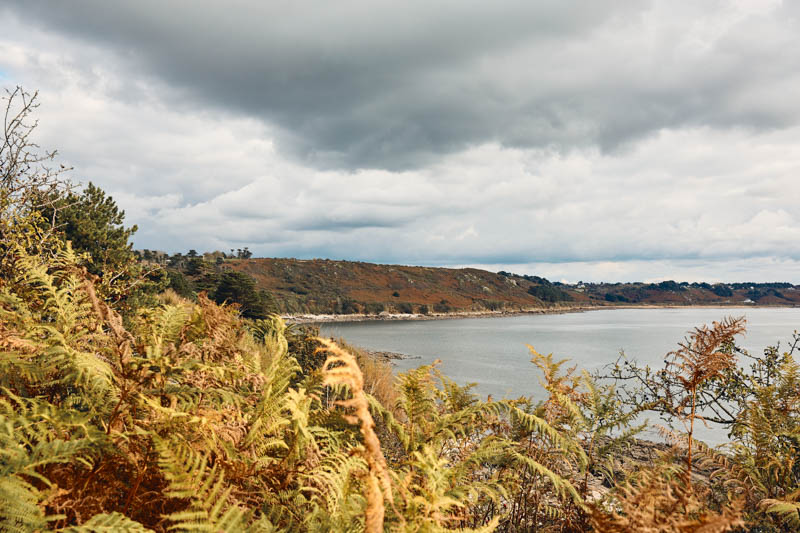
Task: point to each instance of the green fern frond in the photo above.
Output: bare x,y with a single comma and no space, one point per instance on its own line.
332,482
109,523
788,510
532,422
19,509
562,486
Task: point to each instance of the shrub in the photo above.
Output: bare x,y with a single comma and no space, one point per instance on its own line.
549,293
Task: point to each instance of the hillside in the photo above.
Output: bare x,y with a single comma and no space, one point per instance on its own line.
351,287
348,287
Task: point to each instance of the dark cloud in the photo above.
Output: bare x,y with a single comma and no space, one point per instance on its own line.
608,140
397,84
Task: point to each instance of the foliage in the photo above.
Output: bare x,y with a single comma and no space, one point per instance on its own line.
236,287
191,419
38,209
656,501
701,376
179,283
549,293
196,416
94,224
757,470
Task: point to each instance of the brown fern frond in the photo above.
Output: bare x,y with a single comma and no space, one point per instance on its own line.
654,503
701,357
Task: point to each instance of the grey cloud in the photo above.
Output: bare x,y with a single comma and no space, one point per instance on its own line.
397,85
631,142
337,224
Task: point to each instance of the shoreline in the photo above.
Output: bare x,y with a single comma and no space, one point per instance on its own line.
389,317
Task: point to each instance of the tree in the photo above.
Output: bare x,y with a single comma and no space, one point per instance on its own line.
25,171
179,283
243,253
27,179
237,287
95,225
549,293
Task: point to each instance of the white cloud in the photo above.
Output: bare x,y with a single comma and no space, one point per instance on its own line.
689,192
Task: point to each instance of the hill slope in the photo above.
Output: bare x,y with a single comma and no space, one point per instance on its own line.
350,287
325,286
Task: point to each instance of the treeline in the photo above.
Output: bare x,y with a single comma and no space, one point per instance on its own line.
542,288
192,274
696,292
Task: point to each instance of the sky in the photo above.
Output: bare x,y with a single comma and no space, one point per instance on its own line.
594,141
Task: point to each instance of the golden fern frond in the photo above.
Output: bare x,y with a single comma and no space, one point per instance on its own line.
417,401
29,436
110,523
341,368
162,327
190,478
57,289
333,481
83,371
29,441
657,503
701,357
271,332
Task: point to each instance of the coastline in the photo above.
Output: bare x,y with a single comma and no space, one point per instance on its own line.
388,317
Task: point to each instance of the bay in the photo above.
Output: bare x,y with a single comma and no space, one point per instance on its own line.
492,352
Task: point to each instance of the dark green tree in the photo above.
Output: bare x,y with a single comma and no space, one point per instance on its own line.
94,224
180,283
237,287
549,293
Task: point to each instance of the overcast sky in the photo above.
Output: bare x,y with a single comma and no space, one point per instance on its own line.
603,140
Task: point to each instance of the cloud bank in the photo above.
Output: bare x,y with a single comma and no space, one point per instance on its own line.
610,140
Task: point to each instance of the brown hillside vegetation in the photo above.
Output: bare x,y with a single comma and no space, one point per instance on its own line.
326,286
321,284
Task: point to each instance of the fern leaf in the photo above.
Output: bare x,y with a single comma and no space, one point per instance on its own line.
112,522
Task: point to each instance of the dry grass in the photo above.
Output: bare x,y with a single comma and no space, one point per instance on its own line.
170,297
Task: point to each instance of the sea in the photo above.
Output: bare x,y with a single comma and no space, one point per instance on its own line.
493,352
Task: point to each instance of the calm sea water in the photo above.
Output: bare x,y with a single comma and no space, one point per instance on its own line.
492,352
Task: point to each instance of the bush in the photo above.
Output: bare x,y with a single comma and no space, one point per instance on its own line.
239,288
549,293
442,307
404,307
722,290
374,308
